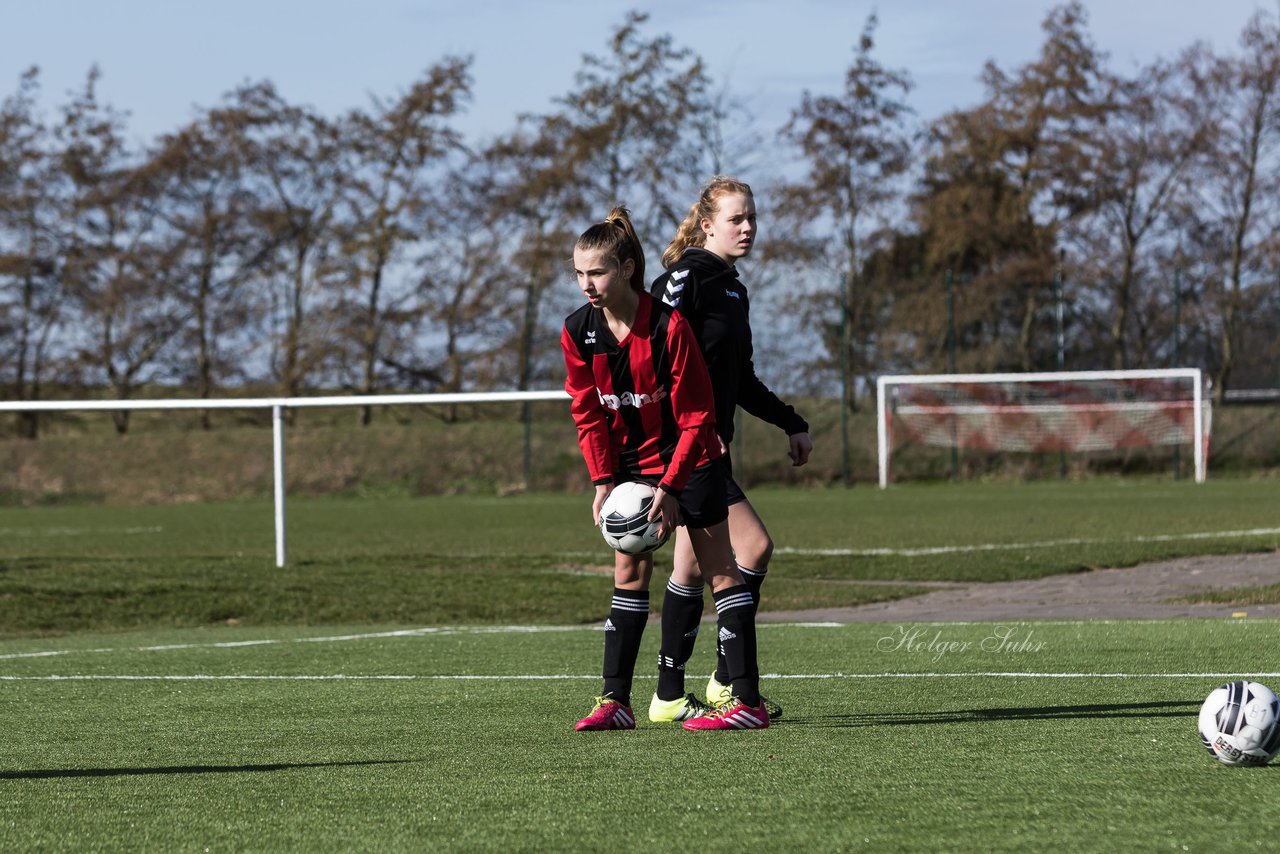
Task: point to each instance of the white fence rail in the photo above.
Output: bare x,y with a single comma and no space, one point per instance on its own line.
278,405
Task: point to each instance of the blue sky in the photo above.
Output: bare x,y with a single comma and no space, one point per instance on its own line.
159,58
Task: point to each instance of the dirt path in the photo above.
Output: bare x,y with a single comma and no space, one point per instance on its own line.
1140,592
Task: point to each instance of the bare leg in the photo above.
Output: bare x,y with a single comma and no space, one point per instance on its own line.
751,544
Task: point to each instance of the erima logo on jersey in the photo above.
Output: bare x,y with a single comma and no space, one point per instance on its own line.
591,336
613,401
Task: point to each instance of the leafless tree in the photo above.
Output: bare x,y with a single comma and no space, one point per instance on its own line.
295,169
1232,220
855,146
393,154
1146,150
30,264
118,274
209,211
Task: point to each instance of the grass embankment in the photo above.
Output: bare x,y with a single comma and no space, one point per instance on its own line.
535,558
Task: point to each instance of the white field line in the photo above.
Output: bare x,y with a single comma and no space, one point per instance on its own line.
444,631
400,633
1042,544
536,677
76,532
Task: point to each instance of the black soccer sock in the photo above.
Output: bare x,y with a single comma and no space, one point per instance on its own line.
622,633
681,618
737,642
753,580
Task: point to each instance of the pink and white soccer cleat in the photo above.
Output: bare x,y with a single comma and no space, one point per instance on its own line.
608,714
734,714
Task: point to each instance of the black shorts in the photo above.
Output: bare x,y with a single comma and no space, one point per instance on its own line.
702,501
733,492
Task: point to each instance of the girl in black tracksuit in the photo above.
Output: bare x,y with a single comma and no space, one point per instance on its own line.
707,291
701,282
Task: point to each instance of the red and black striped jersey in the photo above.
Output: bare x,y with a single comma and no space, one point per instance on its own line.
643,405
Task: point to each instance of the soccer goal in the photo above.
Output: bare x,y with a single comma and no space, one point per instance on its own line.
1050,411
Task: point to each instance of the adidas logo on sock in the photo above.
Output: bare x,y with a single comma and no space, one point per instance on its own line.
608,625
725,634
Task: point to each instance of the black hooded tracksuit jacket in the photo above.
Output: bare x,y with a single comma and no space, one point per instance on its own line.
707,292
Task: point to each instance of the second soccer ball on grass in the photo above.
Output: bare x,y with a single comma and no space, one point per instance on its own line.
1240,723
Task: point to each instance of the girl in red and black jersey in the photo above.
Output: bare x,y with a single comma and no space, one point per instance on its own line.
701,282
643,406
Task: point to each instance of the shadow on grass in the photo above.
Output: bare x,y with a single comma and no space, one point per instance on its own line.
1169,709
63,773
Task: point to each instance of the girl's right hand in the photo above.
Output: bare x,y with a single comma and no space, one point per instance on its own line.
602,492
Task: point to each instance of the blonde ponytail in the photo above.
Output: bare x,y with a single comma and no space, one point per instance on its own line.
688,233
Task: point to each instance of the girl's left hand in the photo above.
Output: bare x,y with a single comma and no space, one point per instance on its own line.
801,447
666,509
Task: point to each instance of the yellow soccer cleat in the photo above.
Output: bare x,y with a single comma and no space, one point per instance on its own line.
717,694
679,709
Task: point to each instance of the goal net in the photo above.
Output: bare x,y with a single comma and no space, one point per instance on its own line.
1052,411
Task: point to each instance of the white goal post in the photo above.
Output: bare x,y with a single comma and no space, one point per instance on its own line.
1045,411
277,407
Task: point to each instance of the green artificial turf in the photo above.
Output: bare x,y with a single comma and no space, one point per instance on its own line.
963,736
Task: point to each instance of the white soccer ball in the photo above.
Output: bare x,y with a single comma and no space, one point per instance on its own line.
1240,723
624,519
